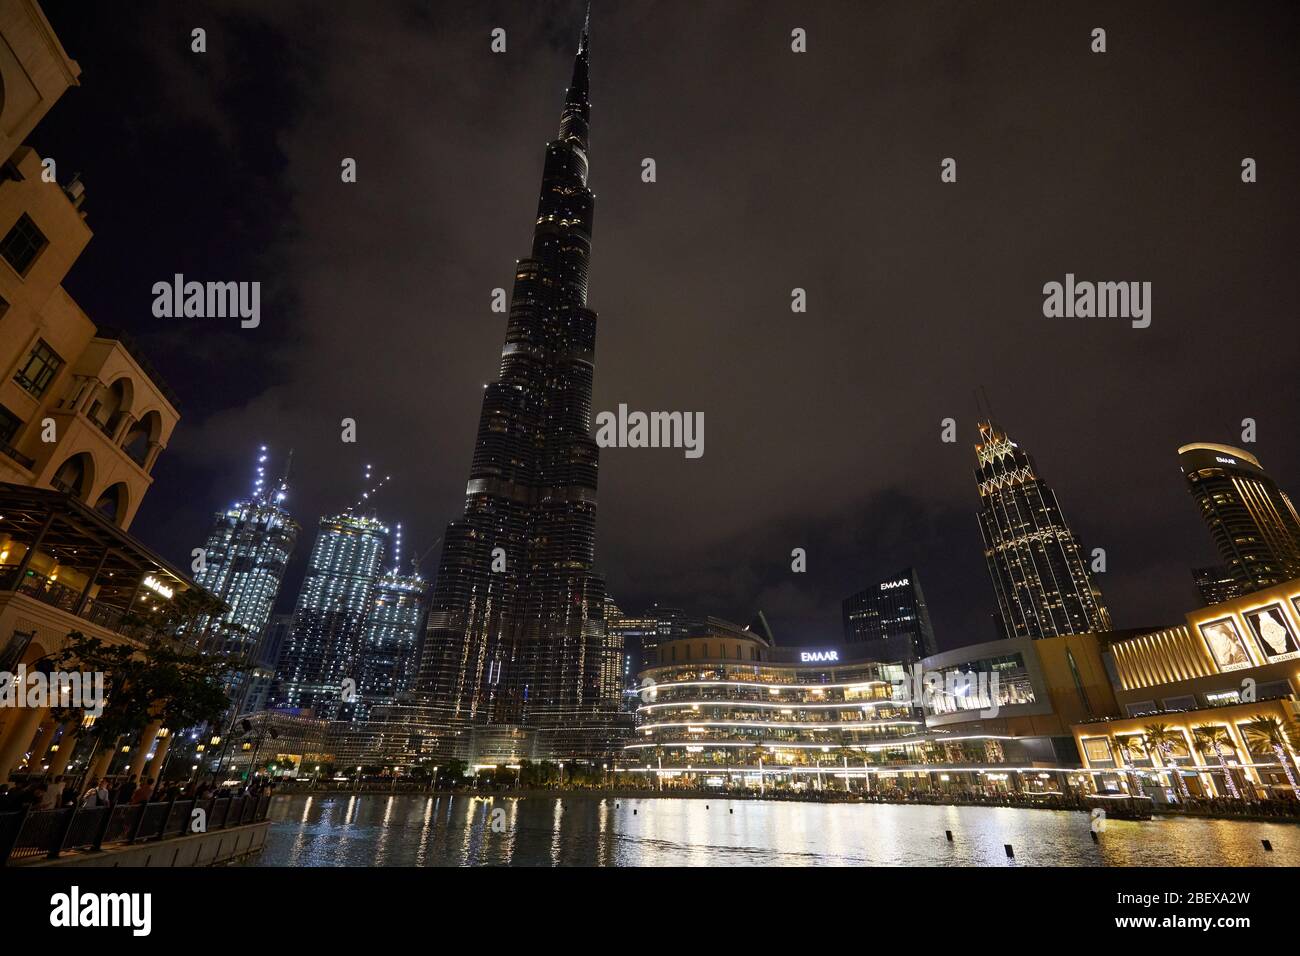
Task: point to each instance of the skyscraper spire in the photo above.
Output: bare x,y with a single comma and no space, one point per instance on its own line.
576,117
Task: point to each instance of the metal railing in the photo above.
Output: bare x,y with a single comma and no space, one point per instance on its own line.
50,592
31,834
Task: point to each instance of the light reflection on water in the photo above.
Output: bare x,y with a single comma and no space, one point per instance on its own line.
418,830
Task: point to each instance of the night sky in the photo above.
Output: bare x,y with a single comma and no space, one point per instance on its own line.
775,170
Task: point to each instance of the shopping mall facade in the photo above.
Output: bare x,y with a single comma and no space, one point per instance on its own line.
1071,715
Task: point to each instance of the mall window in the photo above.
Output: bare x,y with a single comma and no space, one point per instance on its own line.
23,244
39,370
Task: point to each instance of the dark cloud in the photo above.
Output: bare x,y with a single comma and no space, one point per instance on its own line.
775,171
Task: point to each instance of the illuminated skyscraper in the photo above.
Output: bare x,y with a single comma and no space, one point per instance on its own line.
391,642
892,618
244,561
1042,584
320,660
1253,522
516,633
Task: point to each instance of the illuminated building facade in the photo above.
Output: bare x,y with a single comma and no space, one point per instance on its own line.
891,619
323,651
727,709
1042,584
1253,522
1205,683
391,642
1013,702
245,557
523,643
724,712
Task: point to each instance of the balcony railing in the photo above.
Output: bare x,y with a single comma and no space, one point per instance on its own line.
33,834
51,592
16,455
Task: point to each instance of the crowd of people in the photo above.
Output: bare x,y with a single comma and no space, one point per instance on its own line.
1226,807
58,792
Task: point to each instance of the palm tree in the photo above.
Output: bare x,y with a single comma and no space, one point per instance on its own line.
1121,754
1273,733
1164,737
1212,738
845,752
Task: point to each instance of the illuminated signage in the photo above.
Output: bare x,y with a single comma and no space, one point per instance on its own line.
811,657
153,584
1225,461
900,583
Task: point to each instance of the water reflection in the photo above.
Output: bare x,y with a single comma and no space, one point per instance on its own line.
380,830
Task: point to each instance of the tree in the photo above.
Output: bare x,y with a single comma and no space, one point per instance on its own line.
1272,733
1135,782
150,678
1163,737
1210,737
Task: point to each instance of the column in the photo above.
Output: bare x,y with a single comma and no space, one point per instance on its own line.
151,456
103,759
92,393
141,753
67,744
159,758
120,431
43,741
16,741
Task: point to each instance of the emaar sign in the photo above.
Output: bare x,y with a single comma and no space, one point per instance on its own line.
812,657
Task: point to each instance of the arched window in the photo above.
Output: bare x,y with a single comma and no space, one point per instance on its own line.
76,475
112,503
140,435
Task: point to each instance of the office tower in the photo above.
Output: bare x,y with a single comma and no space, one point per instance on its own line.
245,557
391,641
1217,584
1042,584
1253,522
516,633
892,618
319,665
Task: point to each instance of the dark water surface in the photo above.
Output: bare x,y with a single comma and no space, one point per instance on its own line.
419,830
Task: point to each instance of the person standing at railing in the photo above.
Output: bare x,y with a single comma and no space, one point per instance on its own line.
90,799
53,794
125,791
143,792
